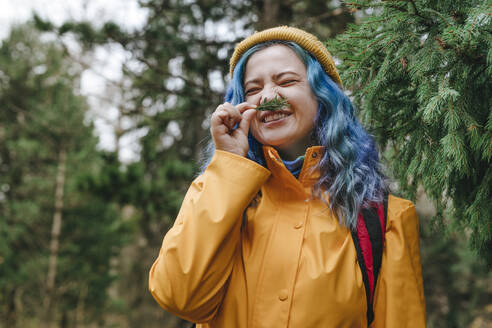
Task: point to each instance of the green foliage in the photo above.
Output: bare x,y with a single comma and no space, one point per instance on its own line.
420,71
273,104
407,66
41,115
455,282
182,59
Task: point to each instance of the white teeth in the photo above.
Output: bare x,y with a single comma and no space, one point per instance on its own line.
274,117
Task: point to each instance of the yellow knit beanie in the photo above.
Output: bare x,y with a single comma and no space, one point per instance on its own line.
306,40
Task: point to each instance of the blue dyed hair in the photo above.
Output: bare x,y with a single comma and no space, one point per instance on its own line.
351,176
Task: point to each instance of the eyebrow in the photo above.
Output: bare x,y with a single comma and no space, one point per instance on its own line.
275,77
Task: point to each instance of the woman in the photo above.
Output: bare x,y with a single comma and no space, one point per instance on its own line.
264,237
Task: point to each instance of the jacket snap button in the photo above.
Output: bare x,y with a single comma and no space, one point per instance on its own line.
315,155
283,295
298,225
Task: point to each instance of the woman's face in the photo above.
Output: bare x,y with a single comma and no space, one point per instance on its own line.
277,71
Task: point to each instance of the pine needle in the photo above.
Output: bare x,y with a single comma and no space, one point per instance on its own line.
274,104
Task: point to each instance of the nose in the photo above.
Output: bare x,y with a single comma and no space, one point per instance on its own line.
268,94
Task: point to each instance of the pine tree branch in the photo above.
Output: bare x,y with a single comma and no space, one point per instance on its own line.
397,8
274,104
369,46
415,13
432,11
414,5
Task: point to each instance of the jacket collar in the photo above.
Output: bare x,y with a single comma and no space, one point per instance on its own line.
281,175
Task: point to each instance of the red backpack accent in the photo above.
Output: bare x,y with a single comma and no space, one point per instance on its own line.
369,242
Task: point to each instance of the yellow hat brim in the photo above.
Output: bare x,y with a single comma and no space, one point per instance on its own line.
285,33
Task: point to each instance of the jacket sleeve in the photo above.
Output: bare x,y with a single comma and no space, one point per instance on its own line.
399,298
189,277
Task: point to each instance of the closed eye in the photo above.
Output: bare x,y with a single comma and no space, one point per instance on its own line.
251,91
287,82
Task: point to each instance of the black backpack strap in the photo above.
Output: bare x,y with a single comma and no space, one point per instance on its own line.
369,241
365,276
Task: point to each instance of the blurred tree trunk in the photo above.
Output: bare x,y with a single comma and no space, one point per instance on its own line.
270,17
55,237
11,320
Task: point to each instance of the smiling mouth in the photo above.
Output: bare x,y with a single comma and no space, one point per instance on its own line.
275,116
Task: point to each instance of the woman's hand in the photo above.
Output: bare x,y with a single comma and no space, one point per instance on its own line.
229,127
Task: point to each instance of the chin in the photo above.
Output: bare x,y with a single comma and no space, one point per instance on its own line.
274,142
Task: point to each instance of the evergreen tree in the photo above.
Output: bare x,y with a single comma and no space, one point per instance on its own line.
181,58
182,68
455,282
176,78
420,72
45,148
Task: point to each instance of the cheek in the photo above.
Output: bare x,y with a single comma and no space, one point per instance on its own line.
310,110
309,117
252,99
313,112
314,106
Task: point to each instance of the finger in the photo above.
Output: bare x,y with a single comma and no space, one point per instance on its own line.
234,114
228,117
248,116
233,110
245,106
217,117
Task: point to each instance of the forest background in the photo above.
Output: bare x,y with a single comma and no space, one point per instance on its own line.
81,225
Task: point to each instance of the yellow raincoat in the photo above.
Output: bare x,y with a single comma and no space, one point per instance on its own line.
286,261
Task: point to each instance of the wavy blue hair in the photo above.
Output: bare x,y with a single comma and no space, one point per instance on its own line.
351,175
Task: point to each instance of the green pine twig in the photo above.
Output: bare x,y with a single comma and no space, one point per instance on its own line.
273,105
